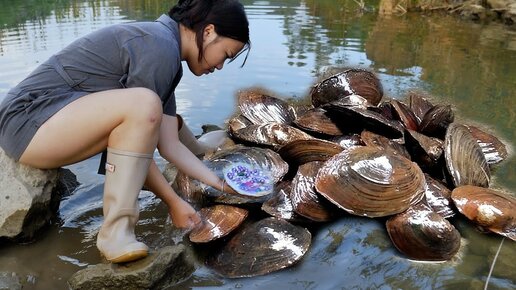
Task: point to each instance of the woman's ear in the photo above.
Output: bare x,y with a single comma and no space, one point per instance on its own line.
209,33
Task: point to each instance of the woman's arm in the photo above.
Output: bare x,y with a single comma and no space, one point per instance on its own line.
182,214
175,152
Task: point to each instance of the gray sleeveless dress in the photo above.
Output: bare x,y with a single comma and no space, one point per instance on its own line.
138,54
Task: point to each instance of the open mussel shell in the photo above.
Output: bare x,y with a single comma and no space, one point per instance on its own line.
494,150
438,197
302,151
217,221
256,156
316,121
261,109
422,234
199,193
305,200
356,119
263,158
375,140
272,135
403,113
419,105
260,248
488,208
349,82
436,121
370,181
465,160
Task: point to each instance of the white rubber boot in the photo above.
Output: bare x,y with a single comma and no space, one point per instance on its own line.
206,143
125,175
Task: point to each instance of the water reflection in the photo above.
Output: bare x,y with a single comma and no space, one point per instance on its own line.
470,66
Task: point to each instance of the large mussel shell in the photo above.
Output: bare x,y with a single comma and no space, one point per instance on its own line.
217,221
350,82
375,140
260,248
494,150
261,109
403,113
488,208
438,197
370,181
274,135
419,105
303,151
465,160
422,234
356,119
196,192
305,199
316,121
259,157
436,121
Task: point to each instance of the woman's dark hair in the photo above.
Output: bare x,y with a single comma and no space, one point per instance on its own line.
228,17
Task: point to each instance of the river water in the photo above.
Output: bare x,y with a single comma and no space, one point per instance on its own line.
471,66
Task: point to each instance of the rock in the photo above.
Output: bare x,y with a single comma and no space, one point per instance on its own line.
30,197
9,281
499,5
509,16
159,270
25,198
473,11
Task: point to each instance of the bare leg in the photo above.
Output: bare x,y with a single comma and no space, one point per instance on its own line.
127,122
126,119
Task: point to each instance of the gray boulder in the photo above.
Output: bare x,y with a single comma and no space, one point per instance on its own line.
29,197
161,269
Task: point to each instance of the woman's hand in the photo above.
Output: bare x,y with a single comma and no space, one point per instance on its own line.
184,215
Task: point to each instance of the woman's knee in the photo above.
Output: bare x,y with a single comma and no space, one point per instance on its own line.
145,104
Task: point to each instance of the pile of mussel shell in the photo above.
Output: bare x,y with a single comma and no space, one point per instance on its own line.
351,152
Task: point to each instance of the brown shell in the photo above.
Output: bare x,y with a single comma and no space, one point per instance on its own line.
217,221
403,113
238,122
261,109
419,105
375,140
316,121
488,208
436,121
274,135
422,234
303,151
465,160
196,192
305,200
260,248
355,119
438,197
280,203
494,150
348,141
369,181
349,82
